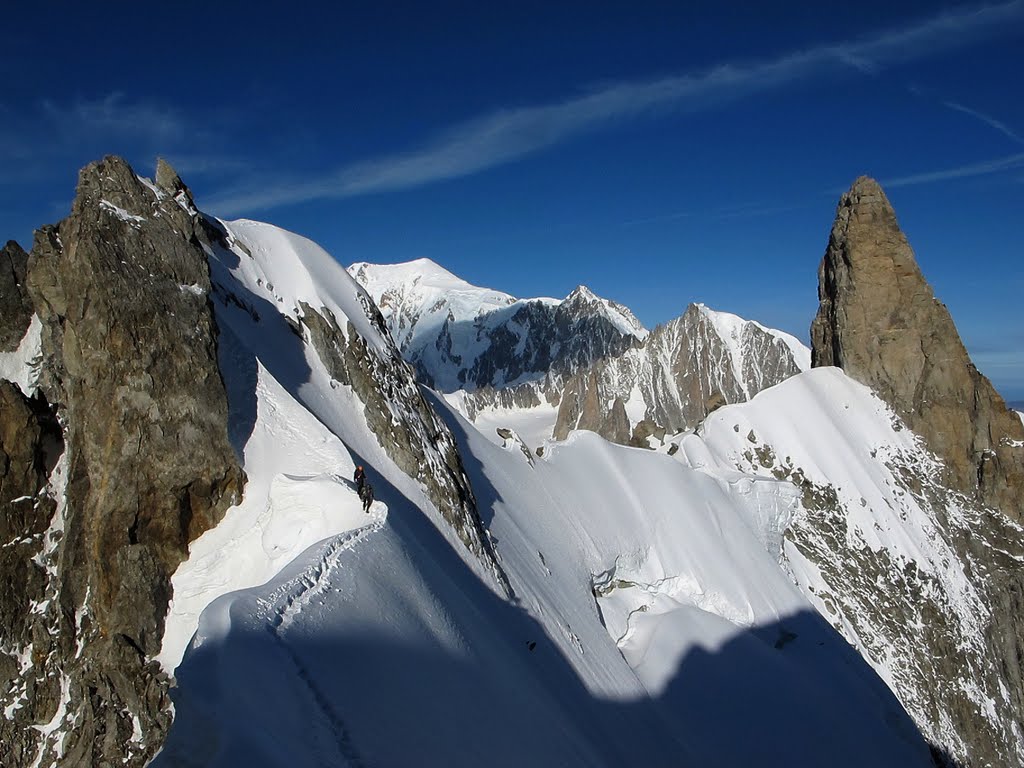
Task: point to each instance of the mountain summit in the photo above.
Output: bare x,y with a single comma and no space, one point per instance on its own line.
880,322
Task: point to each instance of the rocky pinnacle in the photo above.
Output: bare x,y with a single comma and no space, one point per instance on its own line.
880,322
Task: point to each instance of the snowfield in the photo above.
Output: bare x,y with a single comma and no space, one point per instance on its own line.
659,616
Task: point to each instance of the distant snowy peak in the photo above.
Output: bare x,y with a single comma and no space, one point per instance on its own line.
586,355
684,369
620,316
418,297
464,337
732,329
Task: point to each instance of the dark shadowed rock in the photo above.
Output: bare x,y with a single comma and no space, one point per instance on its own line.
15,306
879,321
130,359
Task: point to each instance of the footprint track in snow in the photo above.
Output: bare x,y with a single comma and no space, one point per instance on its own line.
284,605
286,602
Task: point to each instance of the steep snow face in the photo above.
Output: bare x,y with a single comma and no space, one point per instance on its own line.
897,564
21,367
738,336
652,626
291,270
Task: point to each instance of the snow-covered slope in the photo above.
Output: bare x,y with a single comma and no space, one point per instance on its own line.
303,414
651,622
894,561
381,647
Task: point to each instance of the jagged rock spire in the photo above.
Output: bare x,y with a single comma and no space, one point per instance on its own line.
880,322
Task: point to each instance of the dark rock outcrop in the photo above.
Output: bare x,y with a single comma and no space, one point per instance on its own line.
15,307
130,361
879,321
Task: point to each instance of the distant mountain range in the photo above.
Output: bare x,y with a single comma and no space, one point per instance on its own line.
585,360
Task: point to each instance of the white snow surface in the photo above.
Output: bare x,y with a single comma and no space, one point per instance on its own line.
652,625
21,367
299,432
291,268
424,295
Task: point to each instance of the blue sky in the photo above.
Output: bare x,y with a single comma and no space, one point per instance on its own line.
659,152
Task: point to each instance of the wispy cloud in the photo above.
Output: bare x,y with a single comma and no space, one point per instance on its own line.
507,135
113,114
987,119
960,172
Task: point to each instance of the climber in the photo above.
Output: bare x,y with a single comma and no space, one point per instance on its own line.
360,478
367,496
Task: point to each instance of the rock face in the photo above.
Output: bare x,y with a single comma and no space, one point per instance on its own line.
15,307
130,362
880,322
959,658
30,442
684,369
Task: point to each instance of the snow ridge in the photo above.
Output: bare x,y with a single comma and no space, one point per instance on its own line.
286,602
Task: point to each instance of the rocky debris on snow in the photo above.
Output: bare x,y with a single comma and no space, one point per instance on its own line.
880,322
15,306
130,363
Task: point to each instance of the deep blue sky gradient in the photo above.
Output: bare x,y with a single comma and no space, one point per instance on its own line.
723,195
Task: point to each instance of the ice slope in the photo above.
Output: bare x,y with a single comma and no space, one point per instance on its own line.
875,544
837,433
